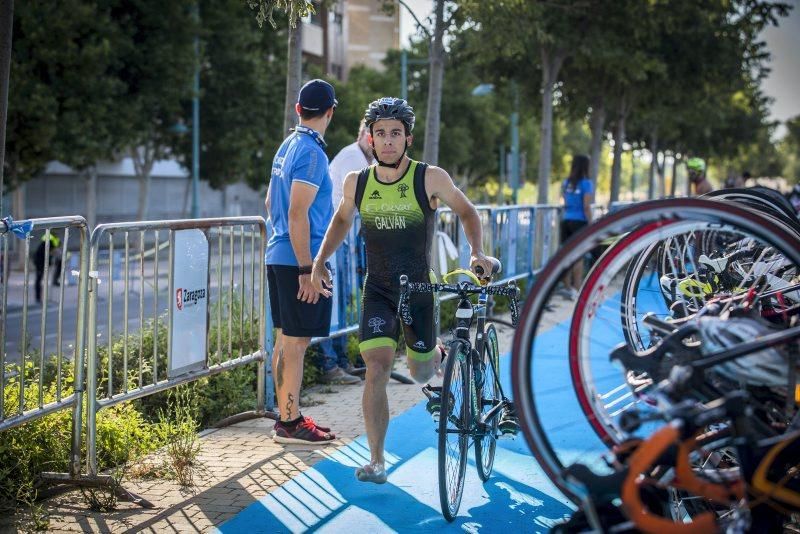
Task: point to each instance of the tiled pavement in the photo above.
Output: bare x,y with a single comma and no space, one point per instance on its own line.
240,464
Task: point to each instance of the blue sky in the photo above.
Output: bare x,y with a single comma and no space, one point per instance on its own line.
783,83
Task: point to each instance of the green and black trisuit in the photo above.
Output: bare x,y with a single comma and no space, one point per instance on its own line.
398,227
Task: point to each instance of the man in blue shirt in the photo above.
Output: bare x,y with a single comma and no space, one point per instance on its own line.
299,205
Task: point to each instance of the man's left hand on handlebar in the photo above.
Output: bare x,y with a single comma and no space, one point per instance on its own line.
480,259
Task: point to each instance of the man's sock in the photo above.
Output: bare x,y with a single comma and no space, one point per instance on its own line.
292,422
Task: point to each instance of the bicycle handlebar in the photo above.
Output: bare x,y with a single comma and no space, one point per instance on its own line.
463,289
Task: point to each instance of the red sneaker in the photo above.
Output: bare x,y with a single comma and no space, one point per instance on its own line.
303,433
323,428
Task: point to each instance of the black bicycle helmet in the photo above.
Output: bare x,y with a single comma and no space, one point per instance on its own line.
389,107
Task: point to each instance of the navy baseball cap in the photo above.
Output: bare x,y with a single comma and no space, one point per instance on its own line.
317,95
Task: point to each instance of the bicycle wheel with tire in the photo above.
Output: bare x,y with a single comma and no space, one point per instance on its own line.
566,388
454,426
489,397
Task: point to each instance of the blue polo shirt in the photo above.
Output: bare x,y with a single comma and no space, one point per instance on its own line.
300,158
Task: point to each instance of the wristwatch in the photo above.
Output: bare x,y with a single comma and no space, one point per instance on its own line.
304,269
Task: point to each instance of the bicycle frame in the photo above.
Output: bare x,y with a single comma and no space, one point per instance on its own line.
466,313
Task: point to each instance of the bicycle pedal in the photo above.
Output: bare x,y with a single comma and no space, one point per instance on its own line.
430,391
434,407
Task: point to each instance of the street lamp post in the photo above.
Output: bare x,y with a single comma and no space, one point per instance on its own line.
196,123
501,195
514,168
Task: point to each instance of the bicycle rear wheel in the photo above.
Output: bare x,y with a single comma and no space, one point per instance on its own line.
454,426
489,397
565,387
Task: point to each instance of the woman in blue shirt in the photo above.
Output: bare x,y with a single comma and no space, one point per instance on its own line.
577,191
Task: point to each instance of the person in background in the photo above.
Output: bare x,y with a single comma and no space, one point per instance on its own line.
54,259
578,193
697,176
336,367
745,176
737,182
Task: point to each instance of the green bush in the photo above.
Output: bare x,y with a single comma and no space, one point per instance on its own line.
178,425
225,394
44,444
33,447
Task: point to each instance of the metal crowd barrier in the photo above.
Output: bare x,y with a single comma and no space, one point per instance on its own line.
234,289
127,296
548,234
35,342
522,237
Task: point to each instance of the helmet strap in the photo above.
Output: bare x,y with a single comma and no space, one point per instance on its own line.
390,165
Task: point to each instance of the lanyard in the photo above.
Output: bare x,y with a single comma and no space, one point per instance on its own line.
313,133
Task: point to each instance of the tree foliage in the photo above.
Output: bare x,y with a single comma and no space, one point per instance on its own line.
63,91
91,79
789,149
294,9
241,82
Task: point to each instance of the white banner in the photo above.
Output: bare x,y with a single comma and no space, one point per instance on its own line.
189,297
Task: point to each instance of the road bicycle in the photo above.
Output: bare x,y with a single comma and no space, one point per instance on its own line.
471,396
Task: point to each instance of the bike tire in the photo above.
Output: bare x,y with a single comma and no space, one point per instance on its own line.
486,447
455,414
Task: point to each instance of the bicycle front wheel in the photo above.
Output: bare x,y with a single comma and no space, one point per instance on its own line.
488,398
454,427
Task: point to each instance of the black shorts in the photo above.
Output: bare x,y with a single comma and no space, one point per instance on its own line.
380,324
569,227
294,317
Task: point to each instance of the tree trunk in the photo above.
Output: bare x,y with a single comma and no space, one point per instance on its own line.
662,176
551,65
6,26
651,186
294,75
91,197
435,84
616,167
597,122
144,193
688,189
674,184
143,164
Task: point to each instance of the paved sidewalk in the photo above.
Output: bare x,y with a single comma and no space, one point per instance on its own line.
240,463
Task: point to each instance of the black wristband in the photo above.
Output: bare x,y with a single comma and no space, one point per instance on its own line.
304,269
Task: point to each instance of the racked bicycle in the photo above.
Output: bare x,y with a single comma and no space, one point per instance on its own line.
606,356
470,401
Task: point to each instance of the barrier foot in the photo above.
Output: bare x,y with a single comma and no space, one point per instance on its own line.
245,416
361,371
61,482
129,496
